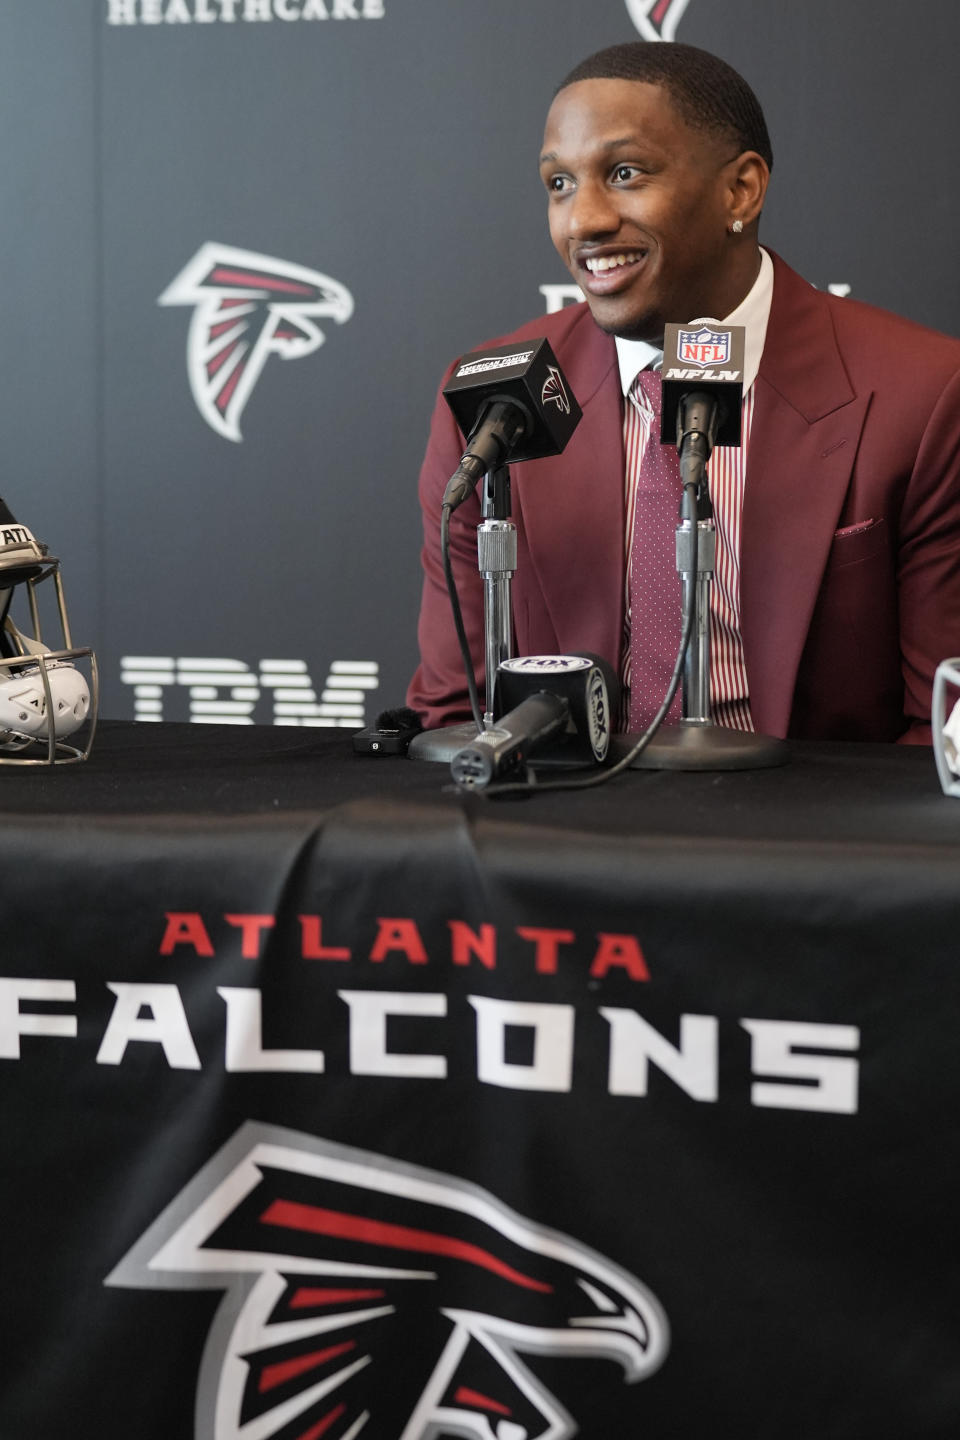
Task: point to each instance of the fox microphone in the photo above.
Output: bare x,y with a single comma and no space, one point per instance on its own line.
702,379
512,402
554,707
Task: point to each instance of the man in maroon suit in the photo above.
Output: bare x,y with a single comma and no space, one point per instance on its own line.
842,532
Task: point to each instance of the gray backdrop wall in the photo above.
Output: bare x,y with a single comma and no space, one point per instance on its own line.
374,159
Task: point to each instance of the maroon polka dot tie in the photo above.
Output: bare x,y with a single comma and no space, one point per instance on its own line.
655,587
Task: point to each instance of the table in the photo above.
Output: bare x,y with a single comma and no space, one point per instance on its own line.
339,1103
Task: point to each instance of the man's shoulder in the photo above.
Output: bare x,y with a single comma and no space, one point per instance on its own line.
855,318
869,330
562,327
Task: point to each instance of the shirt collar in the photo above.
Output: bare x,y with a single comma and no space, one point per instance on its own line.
752,313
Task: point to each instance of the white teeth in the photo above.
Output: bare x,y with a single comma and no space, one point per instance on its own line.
610,262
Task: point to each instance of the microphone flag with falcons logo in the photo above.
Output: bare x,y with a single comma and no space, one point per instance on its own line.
366,1297
525,372
247,307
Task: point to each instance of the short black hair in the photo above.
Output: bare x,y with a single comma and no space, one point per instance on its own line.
707,92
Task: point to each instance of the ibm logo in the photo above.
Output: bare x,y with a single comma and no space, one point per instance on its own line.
227,692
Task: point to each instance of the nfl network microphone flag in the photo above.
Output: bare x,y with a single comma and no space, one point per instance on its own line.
703,356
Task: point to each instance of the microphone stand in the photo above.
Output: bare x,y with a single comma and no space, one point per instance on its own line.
497,561
697,743
497,557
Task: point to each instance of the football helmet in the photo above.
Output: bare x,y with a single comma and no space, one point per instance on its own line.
45,695
946,727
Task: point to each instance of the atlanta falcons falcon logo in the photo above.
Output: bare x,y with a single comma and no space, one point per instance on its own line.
554,391
657,19
366,1297
246,308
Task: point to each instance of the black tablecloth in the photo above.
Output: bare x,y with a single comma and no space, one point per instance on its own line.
844,792
664,1072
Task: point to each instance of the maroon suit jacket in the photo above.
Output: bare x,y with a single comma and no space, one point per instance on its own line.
850,548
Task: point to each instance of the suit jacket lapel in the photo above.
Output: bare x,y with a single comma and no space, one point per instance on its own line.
571,506
806,431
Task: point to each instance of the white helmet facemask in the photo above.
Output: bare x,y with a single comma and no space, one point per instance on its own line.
46,694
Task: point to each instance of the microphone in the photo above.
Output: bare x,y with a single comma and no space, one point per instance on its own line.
512,402
541,699
702,386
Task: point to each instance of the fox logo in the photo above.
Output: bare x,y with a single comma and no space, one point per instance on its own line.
247,307
367,1297
657,19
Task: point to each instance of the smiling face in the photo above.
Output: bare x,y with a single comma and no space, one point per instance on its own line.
641,204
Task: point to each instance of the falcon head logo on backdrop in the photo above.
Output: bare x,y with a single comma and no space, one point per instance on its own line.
370,1298
657,19
246,308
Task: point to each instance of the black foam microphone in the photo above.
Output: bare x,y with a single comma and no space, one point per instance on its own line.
702,380
556,708
512,402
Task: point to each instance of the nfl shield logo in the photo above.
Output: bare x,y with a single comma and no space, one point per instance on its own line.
704,347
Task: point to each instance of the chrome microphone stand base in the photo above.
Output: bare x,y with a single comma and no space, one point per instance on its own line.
694,745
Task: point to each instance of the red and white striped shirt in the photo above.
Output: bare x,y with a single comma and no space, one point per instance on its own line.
726,472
